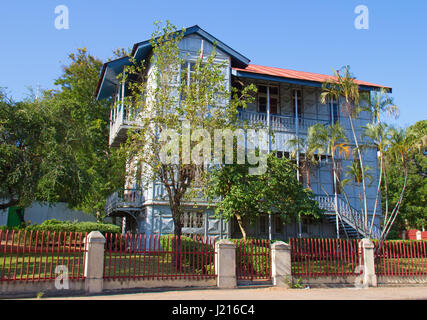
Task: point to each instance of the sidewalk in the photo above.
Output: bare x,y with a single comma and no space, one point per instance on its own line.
271,293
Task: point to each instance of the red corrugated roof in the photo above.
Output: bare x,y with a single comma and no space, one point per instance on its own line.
300,75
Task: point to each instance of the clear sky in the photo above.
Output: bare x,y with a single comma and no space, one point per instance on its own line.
307,35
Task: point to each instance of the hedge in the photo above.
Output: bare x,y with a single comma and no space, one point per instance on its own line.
57,226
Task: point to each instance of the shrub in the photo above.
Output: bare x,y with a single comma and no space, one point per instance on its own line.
54,227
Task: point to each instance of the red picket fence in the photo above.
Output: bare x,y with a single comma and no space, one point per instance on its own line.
253,259
137,256
325,257
401,258
34,256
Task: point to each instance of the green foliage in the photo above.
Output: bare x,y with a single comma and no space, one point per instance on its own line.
413,212
68,226
55,147
165,100
246,196
26,131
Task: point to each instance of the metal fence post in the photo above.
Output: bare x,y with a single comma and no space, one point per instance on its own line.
225,264
369,276
281,267
94,262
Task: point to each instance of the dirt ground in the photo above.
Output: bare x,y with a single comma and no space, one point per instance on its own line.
269,293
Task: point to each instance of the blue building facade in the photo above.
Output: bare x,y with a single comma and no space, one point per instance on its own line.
288,103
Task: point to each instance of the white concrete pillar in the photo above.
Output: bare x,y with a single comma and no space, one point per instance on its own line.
94,262
369,276
225,264
418,235
281,265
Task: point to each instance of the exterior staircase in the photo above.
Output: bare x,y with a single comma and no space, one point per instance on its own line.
351,222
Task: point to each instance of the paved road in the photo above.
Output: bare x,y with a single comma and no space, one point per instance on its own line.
271,293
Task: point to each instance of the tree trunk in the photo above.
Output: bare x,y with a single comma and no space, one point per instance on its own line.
177,217
6,205
240,223
307,173
356,141
20,213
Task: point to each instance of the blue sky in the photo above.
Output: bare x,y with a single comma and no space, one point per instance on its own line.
308,35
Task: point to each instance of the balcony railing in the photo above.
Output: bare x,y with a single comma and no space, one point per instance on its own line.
124,199
121,119
278,122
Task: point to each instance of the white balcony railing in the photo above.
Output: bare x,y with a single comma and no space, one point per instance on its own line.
121,119
278,122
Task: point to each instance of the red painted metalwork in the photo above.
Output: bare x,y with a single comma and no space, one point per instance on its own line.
323,257
401,258
158,257
253,259
33,256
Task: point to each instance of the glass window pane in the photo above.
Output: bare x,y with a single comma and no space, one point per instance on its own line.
262,89
274,90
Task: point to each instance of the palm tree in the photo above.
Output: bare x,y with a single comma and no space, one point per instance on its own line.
331,140
354,174
381,102
379,138
343,86
307,147
401,143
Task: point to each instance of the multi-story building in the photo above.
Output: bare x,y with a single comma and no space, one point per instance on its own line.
288,103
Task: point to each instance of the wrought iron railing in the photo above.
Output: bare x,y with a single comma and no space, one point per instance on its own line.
350,215
124,198
278,122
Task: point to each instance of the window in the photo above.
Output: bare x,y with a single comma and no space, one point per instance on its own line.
304,224
193,219
263,224
278,224
334,112
297,94
274,99
187,71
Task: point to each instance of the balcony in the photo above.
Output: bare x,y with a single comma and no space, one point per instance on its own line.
121,119
124,200
279,123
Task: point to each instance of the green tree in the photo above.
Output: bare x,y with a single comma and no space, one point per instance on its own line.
245,197
84,139
26,130
55,147
173,96
332,140
407,192
344,87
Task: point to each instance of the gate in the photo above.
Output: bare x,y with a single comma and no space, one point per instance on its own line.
253,260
